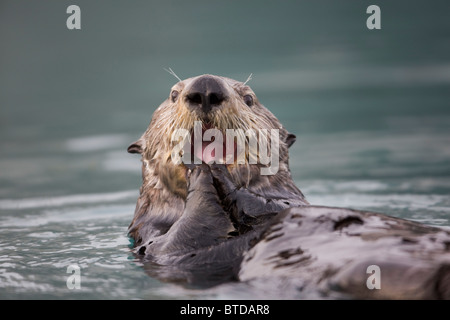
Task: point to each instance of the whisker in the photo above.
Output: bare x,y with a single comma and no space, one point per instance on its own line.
172,73
248,79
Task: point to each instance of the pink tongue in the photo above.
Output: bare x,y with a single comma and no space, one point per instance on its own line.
207,157
210,157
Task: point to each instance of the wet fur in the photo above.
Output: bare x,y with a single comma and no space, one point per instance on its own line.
164,189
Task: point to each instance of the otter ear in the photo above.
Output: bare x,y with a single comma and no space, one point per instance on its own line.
290,139
135,147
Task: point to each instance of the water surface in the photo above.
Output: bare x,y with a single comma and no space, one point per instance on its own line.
370,110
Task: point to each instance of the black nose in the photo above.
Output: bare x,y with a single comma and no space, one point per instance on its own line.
206,92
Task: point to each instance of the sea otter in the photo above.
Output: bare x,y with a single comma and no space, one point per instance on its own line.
218,216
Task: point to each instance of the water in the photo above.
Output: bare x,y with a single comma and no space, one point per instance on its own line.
371,111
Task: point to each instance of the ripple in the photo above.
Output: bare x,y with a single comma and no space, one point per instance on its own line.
31,203
408,201
69,215
44,235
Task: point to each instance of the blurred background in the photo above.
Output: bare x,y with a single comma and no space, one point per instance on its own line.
370,108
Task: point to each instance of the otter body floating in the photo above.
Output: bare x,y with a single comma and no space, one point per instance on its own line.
224,221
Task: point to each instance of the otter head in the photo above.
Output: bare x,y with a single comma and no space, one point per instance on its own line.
211,119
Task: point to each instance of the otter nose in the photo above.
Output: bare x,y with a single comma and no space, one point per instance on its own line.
206,92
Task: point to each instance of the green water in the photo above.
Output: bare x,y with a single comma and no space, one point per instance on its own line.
370,108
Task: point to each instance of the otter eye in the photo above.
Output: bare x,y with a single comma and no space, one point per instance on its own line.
174,95
248,99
